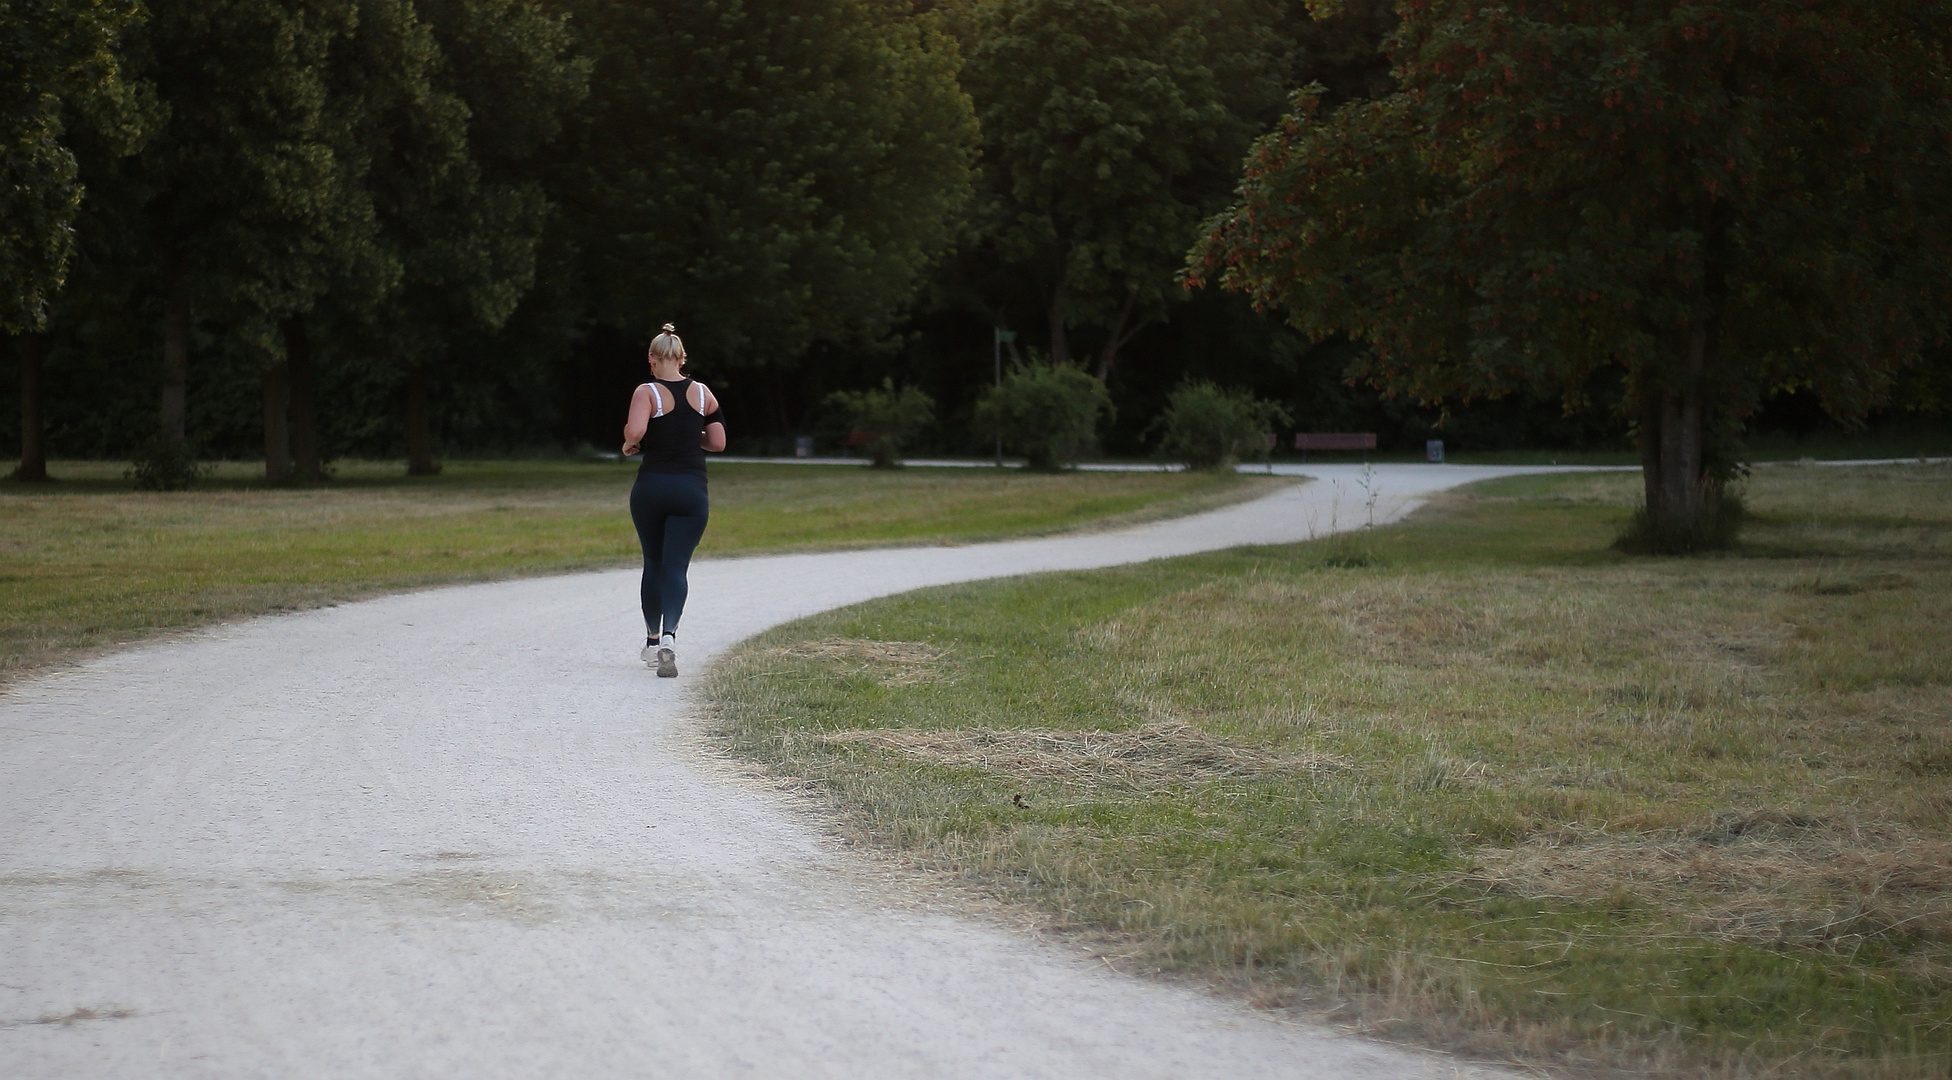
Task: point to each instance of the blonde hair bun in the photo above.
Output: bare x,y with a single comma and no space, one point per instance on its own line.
668,346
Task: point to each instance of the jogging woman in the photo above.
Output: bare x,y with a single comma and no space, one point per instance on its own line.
674,420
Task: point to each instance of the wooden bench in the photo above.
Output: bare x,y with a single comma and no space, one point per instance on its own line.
859,438
1364,441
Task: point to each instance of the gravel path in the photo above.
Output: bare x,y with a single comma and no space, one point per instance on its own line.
459,833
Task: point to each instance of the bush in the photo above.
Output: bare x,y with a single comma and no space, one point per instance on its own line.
889,417
1045,411
165,464
1210,428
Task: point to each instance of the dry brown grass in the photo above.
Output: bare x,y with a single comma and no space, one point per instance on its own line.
1770,878
1152,757
890,663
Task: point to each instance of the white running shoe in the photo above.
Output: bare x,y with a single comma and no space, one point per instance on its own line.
667,657
649,655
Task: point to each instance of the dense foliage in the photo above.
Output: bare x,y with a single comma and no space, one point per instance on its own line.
1046,411
357,220
764,173
880,420
305,229
59,65
1718,198
1211,427
1111,129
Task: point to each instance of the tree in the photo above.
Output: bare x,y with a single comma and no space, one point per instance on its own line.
247,208
1111,129
1716,198
379,104
338,176
61,56
765,172
457,100
60,62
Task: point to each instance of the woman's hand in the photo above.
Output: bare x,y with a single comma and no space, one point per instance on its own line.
630,448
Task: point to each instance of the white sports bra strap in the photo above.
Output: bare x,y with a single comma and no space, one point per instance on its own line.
657,400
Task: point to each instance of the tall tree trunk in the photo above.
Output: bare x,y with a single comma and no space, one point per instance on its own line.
1118,337
176,353
277,432
304,402
1673,469
420,436
31,349
1060,342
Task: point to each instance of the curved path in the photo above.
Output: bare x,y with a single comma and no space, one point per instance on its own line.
457,834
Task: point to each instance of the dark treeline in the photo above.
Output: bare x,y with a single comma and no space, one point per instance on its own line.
309,228
305,229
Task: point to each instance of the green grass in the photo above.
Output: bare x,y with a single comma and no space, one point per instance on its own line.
1478,781
85,562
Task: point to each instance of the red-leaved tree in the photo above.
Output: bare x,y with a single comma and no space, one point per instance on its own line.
1720,197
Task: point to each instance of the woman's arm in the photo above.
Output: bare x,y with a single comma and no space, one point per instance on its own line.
713,437
639,419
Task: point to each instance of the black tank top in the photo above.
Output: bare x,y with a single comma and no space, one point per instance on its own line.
671,441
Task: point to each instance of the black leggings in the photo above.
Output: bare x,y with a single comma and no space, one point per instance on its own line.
669,510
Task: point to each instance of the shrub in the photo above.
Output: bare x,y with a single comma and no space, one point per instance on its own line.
165,464
1045,411
1208,427
889,417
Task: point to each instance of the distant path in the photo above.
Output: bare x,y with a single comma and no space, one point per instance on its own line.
456,834
1279,468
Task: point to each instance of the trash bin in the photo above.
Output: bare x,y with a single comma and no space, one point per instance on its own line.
802,446
1433,450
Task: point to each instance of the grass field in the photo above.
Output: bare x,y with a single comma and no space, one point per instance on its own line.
1476,781
86,562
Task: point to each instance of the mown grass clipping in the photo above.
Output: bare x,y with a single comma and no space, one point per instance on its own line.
1477,781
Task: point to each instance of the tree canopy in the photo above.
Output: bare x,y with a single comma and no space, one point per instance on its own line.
1110,130
380,182
358,226
1716,198
457,108
61,60
764,172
